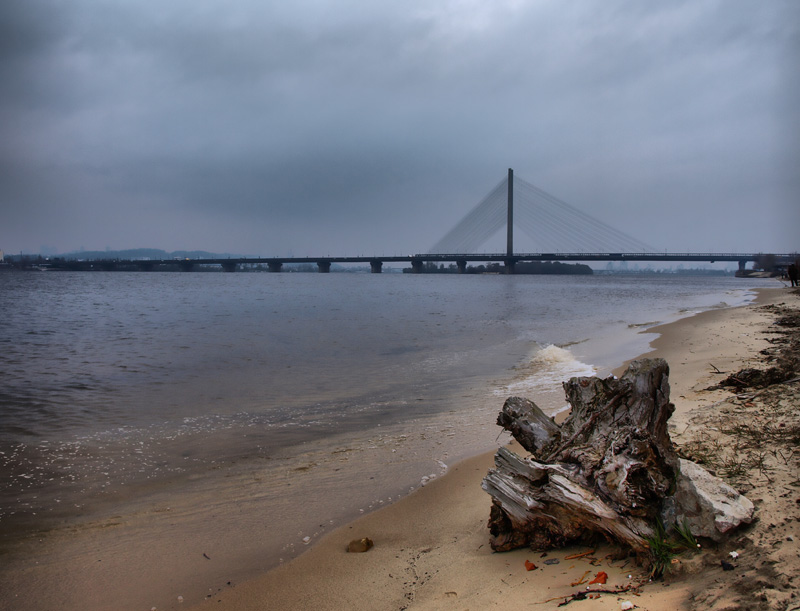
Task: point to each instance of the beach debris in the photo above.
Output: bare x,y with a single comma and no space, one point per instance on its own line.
625,605
757,378
359,546
600,578
551,561
581,555
582,580
734,555
180,599
610,469
306,540
591,594
206,556
727,566
529,566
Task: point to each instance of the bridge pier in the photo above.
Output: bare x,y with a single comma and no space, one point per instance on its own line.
186,266
324,267
376,266
509,266
229,266
416,266
462,266
274,266
742,264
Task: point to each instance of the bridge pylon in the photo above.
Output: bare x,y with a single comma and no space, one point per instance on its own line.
510,216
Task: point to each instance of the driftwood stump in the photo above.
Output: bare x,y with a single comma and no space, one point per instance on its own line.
609,470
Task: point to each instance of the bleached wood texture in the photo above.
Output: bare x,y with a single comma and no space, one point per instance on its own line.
606,471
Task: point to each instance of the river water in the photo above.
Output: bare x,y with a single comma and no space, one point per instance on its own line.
308,397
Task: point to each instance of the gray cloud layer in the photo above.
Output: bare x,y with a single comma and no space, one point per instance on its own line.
372,127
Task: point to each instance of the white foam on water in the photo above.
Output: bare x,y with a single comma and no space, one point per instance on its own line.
552,354
543,375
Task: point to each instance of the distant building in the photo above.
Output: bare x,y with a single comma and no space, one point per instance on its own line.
1,257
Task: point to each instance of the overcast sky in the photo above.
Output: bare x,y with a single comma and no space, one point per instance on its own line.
371,127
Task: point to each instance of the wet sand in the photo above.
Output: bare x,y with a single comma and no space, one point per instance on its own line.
431,548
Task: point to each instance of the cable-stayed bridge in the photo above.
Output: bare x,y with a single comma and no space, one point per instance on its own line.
552,224
560,232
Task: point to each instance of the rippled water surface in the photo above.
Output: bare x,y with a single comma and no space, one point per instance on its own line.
118,382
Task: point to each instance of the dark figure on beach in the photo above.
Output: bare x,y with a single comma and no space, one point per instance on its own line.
792,271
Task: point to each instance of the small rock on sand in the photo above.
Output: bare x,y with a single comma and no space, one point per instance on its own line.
357,546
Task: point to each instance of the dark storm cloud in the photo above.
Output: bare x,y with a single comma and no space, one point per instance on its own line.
366,115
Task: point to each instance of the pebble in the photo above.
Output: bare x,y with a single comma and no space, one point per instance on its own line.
358,546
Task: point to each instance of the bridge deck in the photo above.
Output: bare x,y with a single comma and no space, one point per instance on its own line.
376,261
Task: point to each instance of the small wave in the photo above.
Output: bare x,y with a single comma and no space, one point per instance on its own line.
562,361
575,343
552,354
545,373
638,325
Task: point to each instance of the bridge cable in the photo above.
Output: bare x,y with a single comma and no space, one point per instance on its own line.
609,238
486,218
554,225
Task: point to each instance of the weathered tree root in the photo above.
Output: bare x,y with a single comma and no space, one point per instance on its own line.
610,470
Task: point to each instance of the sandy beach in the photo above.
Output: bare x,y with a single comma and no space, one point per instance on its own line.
431,549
